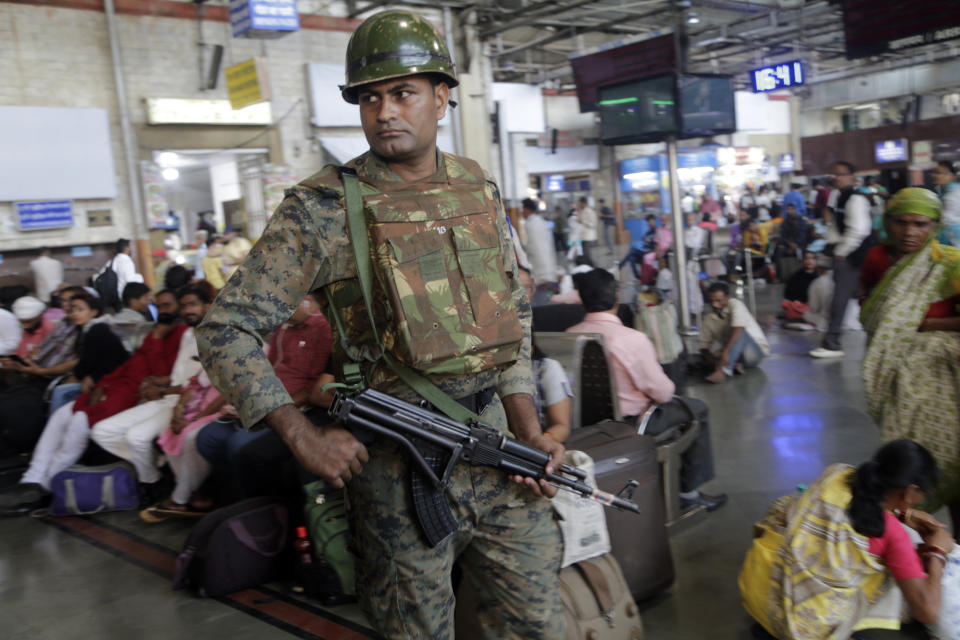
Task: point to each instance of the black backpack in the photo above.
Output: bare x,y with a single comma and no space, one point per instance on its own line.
105,285
235,548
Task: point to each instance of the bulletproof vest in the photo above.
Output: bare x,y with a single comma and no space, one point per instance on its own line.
442,298
857,256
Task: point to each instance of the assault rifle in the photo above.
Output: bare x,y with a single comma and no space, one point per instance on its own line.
436,444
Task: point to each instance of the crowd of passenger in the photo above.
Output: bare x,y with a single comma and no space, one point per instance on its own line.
81,381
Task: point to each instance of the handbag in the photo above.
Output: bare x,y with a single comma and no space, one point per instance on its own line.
79,489
597,604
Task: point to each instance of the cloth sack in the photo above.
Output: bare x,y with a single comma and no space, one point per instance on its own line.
583,523
659,322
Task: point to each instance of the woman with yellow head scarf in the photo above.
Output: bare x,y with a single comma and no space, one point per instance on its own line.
911,372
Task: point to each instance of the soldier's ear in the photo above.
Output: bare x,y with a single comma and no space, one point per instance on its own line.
441,95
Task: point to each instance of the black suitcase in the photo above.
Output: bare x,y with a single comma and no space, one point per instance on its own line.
639,542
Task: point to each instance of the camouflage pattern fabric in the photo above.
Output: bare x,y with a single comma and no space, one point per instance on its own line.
437,249
507,540
305,247
508,545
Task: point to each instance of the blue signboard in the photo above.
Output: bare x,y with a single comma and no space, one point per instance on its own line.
263,18
777,76
56,214
891,150
555,182
787,163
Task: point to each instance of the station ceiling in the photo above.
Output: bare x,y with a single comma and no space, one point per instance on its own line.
530,40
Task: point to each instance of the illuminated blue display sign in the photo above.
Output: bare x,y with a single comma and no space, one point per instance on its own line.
263,18
778,76
555,182
45,215
891,150
788,162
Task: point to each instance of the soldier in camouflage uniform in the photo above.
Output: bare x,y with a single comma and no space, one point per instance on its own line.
447,302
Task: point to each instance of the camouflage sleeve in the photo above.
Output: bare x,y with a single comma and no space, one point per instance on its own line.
290,259
519,377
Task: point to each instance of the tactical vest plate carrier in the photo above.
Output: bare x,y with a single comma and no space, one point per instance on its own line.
436,251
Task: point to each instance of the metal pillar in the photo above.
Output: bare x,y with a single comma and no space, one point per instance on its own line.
681,250
130,149
454,112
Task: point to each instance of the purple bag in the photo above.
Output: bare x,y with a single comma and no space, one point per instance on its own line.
79,490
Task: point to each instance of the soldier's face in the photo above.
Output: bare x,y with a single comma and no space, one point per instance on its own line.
400,116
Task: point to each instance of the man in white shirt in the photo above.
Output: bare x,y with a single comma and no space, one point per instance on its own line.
850,234
122,264
47,274
588,227
130,434
10,332
539,247
694,236
730,338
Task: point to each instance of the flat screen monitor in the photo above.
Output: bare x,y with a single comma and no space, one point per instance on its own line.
641,111
706,106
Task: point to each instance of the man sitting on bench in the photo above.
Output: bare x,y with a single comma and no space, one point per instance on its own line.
641,381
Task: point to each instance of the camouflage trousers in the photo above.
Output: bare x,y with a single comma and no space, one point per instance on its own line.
507,543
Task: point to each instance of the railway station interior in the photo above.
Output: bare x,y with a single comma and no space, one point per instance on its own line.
733,227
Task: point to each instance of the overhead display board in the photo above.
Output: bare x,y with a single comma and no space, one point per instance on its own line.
615,64
890,150
45,215
872,28
263,18
777,76
685,106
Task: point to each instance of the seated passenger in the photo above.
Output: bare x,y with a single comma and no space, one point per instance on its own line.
795,294
829,560
730,338
553,387
29,311
130,434
199,404
67,432
641,381
134,322
298,351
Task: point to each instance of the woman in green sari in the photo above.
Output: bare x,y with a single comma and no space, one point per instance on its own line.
912,368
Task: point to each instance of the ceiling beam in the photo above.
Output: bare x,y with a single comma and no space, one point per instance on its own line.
530,16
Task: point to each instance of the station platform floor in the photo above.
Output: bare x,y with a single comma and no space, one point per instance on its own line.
108,576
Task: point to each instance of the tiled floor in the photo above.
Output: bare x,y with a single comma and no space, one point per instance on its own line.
773,428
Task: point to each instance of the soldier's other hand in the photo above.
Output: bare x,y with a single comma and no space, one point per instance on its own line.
329,452
556,450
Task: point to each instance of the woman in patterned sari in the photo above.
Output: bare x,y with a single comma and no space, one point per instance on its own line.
827,562
911,371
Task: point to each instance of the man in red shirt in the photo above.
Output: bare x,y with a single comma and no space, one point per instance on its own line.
298,351
640,382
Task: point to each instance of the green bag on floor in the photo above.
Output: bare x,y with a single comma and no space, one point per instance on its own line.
331,578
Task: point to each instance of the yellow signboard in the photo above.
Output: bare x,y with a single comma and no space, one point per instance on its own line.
247,83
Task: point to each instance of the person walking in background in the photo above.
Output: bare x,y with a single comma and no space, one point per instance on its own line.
126,272
609,224
849,233
588,227
47,274
710,210
560,229
948,185
795,197
539,247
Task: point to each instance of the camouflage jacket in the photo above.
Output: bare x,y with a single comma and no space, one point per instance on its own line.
304,248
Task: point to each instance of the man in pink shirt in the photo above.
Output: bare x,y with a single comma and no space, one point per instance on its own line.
641,382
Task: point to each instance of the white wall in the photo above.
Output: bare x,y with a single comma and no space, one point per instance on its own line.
224,184
563,113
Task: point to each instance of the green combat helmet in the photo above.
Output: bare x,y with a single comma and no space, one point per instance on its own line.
391,44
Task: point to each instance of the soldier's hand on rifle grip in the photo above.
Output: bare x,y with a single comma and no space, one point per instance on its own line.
329,452
556,450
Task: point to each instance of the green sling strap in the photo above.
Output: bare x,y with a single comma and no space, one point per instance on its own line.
361,250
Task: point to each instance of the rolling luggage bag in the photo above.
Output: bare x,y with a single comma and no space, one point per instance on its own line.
639,542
